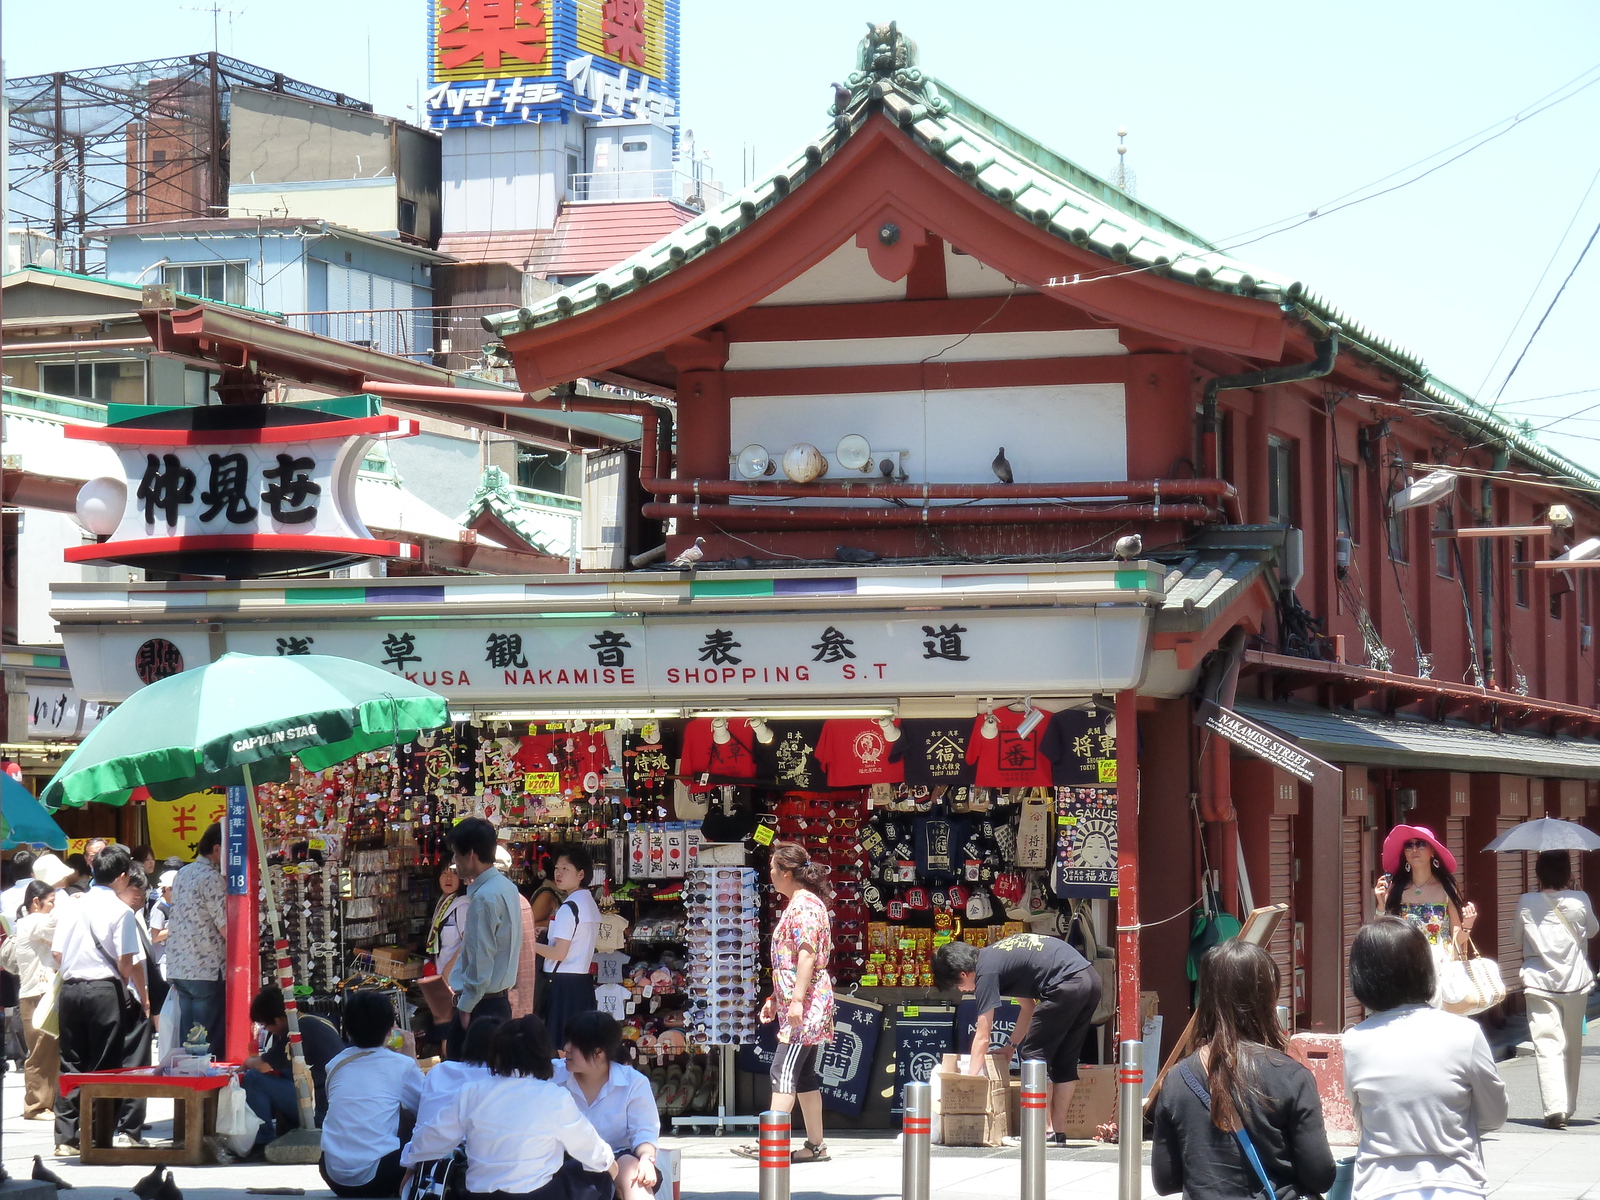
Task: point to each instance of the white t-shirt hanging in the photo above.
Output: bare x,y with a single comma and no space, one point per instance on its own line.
612,998
580,930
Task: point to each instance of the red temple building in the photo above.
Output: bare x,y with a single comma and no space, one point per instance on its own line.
929,338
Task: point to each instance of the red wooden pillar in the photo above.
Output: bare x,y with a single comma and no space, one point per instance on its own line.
1129,1025
244,924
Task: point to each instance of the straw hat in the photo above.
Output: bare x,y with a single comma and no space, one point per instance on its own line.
51,870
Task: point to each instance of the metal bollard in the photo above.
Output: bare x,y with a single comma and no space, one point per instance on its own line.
1130,1120
773,1156
1035,1109
917,1131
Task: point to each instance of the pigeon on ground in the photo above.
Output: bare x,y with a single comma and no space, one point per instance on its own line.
168,1189
146,1188
692,555
1129,547
45,1175
854,554
1002,466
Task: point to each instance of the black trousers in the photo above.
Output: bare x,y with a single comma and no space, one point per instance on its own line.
95,1023
385,1180
139,1033
571,1182
497,1004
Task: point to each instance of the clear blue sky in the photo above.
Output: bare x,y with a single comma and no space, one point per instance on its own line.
1239,113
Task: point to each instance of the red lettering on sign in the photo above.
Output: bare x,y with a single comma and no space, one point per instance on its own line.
622,24
488,29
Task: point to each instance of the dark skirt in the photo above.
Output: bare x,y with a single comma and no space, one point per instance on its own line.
563,995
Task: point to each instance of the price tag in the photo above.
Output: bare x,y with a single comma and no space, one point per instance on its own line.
939,939
1108,769
878,956
541,783
764,835
913,1011
908,943
869,981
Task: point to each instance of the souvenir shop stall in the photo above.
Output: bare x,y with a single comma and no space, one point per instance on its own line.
977,825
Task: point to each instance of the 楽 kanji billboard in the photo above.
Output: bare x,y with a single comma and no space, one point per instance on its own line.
499,62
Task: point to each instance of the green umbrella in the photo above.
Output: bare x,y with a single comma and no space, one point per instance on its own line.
238,721
204,727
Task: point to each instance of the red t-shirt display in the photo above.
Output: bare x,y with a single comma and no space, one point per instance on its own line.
856,754
1008,760
704,755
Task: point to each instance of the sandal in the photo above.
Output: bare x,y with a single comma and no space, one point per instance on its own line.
810,1152
748,1150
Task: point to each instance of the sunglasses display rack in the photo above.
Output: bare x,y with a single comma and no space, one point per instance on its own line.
724,954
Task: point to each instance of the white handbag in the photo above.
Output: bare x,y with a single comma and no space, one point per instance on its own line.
1470,985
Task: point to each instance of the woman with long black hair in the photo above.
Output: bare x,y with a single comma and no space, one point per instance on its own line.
1420,886
1239,1108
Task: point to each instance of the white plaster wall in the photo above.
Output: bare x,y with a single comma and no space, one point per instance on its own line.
1056,433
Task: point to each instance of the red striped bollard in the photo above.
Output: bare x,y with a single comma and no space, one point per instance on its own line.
1035,1108
916,1140
773,1156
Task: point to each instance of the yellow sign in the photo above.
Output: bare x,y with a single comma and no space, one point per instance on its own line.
1108,769
764,835
176,825
76,846
541,783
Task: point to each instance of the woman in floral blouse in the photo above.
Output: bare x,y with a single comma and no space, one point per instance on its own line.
802,992
1420,885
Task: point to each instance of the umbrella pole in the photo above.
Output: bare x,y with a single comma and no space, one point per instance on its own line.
280,947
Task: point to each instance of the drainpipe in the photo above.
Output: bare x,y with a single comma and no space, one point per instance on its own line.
1216,772
1327,352
1502,459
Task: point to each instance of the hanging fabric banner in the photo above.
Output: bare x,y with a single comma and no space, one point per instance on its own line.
176,825
1086,845
923,1035
844,1068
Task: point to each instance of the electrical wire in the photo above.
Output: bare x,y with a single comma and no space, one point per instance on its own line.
1554,300
1527,304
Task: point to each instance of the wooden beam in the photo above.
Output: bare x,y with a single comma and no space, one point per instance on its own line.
1494,531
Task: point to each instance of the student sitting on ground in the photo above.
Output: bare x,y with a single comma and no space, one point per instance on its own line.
440,1085
617,1100
269,1083
520,1128
372,1099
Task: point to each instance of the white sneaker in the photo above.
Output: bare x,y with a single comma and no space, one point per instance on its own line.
125,1141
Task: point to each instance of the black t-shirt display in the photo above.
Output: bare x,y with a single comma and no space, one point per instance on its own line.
935,752
1075,742
1024,966
790,759
648,767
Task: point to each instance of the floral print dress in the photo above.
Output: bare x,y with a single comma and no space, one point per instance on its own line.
804,925
1434,921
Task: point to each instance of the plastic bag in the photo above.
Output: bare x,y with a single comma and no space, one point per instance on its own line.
237,1126
168,1042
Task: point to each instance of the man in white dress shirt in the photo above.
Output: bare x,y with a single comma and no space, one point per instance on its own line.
98,950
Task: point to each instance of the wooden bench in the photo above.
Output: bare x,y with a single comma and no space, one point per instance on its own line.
194,1114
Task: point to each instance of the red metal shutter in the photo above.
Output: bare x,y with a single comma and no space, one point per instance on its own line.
1510,881
1357,902
1455,837
1280,876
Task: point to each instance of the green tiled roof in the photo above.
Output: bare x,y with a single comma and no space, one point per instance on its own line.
1054,194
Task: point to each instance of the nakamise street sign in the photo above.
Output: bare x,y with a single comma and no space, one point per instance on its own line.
234,490
726,657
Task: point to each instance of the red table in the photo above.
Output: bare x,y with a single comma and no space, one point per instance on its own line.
194,1113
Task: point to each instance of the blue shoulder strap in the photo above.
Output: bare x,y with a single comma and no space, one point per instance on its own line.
1245,1144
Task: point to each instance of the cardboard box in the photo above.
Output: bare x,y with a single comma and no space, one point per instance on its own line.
1094,1102
965,1129
963,1095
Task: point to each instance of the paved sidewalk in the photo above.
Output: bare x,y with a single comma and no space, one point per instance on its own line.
1524,1159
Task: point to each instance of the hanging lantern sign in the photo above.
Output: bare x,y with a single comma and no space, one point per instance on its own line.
234,490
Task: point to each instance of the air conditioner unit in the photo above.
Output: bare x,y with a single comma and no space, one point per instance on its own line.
603,544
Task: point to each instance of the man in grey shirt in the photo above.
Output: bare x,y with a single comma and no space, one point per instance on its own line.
491,944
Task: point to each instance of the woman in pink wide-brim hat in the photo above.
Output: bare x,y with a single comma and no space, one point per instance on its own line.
1420,885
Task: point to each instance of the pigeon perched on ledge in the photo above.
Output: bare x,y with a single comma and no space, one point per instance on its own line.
1002,467
692,555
